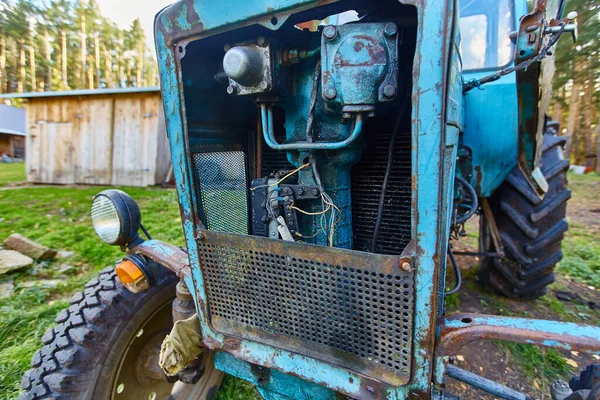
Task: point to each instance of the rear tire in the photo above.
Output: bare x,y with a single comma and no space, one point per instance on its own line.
531,229
85,356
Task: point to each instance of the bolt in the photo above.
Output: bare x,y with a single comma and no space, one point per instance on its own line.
300,192
405,265
330,32
262,42
532,28
371,389
390,29
286,199
389,91
290,223
330,93
315,192
231,90
287,190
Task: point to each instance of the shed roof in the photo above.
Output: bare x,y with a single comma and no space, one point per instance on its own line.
83,92
12,120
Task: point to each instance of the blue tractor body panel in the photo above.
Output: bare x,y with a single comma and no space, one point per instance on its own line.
433,169
190,38
491,128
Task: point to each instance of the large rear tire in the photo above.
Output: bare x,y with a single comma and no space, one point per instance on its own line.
103,347
531,229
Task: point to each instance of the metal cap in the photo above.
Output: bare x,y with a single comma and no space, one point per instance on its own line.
243,64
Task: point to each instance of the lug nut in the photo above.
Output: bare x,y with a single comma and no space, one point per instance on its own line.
389,91
330,93
231,90
330,32
390,29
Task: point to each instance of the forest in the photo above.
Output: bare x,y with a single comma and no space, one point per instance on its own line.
68,44
576,86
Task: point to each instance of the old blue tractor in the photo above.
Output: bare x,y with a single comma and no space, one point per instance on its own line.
326,154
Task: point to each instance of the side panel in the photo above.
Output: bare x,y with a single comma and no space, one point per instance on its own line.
491,131
491,125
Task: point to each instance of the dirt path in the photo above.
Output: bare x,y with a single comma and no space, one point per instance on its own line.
521,367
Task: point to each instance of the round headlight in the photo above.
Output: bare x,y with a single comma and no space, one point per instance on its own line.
116,217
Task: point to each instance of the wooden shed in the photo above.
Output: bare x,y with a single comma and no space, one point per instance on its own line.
100,137
12,132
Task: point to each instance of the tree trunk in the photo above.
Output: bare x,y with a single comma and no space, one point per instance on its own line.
588,118
598,146
49,71
140,66
573,118
32,62
557,108
63,63
97,57
2,60
22,73
83,49
108,66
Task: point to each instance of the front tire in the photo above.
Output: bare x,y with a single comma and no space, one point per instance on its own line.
95,350
531,229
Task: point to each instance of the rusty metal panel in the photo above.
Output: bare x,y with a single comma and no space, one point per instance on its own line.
347,308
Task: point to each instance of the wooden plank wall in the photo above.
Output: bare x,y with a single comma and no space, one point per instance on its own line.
100,140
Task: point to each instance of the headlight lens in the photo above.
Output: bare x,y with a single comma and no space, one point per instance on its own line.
106,219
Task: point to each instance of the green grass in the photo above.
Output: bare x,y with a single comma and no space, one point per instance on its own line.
541,365
12,173
58,217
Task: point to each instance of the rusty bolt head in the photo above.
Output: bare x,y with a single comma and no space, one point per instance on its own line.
262,42
390,29
405,265
330,32
330,93
231,90
389,91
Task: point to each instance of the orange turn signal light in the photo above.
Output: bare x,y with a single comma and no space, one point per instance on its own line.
131,276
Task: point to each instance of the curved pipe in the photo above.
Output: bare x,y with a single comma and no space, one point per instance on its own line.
266,114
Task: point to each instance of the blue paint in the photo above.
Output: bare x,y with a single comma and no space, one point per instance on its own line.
491,125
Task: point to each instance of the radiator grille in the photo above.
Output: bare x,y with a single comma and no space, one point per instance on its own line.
367,179
348,308
220,181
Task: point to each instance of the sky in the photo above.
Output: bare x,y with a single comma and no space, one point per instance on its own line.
123,12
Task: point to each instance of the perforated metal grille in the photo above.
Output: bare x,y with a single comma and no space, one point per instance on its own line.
220,180
326,303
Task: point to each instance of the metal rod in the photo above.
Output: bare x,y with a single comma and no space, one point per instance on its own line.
484,384
386,177
475,253
269,134
456,272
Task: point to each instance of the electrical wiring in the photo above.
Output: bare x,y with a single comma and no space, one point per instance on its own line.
282,179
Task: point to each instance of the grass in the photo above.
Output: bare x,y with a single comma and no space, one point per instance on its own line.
58,217
12,173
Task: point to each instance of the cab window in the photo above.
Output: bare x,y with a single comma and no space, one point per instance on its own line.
485,27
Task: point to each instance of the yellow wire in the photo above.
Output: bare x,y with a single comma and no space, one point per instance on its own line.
285,177
311,213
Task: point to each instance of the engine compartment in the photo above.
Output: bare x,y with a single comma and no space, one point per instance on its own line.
303,133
